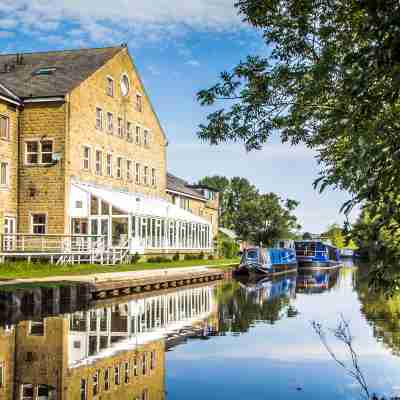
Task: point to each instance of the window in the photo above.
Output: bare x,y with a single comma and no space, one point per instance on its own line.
127,372
4,173
39,152
2,373
83,390
146,138
39,223
95,386
36,328
137,139
120,127
119,168
4,127
27,391
99,118
99,162
110,86
153,360
129,132
137,173
185,203
144,364
135,367
139,106
107,379
153,177
86,158
145,394
145,175
128,170
110,126
109,164
116,375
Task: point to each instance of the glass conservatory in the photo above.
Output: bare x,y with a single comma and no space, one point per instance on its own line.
135,221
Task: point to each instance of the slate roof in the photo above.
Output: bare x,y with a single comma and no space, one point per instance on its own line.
179,185
72,67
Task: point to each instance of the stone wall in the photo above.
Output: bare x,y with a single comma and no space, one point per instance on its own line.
9,154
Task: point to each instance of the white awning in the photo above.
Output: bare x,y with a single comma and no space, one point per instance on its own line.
136,204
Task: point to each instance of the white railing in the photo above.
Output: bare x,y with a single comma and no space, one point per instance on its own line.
36,243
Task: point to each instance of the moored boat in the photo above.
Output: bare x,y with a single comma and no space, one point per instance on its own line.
316,254
259,260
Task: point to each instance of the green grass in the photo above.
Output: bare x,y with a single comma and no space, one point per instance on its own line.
13,270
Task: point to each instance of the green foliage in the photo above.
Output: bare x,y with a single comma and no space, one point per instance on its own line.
176,257
330,81
307,236
252,215
135,259
336,236
159,259
227,248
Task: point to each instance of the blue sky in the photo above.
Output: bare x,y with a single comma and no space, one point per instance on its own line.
179,48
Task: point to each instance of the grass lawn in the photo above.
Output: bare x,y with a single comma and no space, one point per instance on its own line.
13,270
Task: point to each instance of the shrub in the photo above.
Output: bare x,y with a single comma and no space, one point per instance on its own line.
176,257
158,259
135,259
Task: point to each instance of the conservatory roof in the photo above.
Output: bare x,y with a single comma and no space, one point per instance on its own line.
139,204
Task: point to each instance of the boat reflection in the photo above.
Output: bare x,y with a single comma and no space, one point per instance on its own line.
246,302
318,281
108,351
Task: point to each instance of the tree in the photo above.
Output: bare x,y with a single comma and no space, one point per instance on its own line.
332,81
307,236
336,236
254,216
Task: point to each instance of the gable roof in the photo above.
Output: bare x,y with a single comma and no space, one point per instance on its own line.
175,184
71,68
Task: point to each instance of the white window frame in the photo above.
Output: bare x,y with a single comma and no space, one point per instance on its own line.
110,90
129,172
120,167
110,122
120,124
146,138
139,104
109,165
32,225
129,132
98,163
137,173
6,166
153,177
85,159
145,175
138,135
2,374
6,118
99,118
40,151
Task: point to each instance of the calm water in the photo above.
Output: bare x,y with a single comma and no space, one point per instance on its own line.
234,340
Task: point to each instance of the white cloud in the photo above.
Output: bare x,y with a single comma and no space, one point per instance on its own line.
193,63
105,21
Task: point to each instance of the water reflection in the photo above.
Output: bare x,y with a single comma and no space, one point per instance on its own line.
113,350
57,344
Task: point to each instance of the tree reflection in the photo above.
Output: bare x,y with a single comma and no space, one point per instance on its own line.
242,304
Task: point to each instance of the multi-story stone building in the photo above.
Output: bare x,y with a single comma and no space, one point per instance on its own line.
83,152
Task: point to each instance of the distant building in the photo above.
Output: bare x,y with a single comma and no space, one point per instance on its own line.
82,152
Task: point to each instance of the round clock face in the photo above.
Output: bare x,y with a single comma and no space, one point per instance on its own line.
124,85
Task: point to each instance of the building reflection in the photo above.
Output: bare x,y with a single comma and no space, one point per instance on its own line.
112,351
316,281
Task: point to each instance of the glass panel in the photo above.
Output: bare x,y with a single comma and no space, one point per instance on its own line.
94,206
94,227
117,211
119,231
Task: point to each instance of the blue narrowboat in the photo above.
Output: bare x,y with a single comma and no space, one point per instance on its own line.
259,260
316,254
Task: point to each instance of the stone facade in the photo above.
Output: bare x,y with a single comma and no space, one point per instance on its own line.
9,155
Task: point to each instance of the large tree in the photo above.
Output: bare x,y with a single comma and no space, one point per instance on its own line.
332,81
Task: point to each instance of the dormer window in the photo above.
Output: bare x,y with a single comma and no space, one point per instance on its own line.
45,71
110,86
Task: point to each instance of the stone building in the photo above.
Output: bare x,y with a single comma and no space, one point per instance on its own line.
82,152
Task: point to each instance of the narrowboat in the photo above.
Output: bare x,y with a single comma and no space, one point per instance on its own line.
259,260
316,254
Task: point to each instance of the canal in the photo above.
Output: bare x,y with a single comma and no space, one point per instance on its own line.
229,340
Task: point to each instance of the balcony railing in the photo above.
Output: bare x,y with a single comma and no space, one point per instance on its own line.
36,243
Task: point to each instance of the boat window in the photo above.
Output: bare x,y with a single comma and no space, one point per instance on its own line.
252,255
